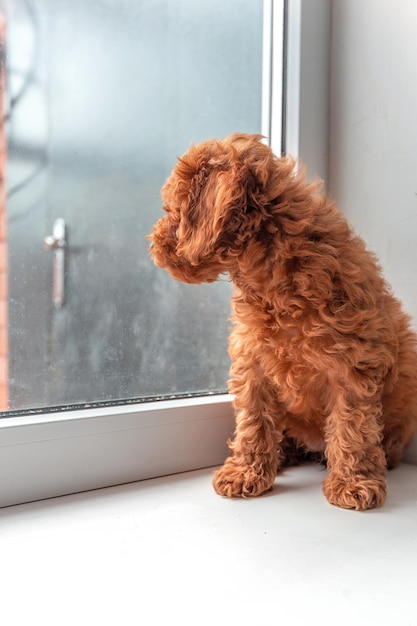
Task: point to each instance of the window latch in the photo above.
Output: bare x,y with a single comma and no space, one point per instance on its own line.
57,243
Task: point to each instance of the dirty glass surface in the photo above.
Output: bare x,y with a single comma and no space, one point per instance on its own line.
101,98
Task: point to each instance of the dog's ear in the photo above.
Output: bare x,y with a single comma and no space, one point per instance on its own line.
212,214
223,192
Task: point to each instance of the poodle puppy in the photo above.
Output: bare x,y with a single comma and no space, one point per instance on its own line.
323,357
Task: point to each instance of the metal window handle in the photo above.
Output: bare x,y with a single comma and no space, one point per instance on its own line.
57,243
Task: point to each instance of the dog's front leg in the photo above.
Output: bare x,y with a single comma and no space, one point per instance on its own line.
355,457
252,467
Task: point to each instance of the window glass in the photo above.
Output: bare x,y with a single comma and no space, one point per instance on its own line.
101,98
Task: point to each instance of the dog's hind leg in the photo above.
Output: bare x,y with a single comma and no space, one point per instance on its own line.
400,401
400,423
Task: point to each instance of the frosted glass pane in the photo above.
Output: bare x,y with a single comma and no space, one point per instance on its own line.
103,96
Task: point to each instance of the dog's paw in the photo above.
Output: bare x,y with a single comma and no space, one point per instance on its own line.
234,481
359,494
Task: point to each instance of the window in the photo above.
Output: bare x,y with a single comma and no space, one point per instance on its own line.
101,98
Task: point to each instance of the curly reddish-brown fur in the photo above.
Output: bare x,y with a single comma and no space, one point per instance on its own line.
323,357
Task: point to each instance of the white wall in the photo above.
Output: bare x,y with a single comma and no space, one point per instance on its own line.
373,131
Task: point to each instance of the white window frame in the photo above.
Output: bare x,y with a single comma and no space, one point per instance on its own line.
51,454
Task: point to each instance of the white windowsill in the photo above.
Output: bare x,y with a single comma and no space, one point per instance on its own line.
61,453
170,550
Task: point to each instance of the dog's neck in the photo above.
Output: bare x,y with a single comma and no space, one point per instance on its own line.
274,277
260,278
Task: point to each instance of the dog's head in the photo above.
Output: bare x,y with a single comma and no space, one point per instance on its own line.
216,203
